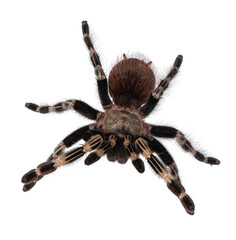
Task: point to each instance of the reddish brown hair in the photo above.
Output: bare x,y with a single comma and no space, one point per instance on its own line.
131,81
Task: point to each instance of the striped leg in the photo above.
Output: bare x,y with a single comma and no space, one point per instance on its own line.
58,152
34,175
174,185
164,155
137,162
100,75
79,106
103,149
169,132
69,141
147,108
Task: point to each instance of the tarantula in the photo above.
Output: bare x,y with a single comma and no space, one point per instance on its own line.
120,131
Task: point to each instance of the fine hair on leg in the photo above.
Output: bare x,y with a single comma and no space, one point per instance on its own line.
100,75
34,175
170,132
173,184
151,103
79,106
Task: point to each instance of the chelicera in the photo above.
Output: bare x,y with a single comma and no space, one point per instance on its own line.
120,132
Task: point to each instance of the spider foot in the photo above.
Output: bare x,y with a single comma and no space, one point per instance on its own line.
27,187
91,158
30,178
177,188
188,203
30,184
36,108
139,165
212,161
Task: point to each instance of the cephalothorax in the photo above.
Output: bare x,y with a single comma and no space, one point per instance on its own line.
120,131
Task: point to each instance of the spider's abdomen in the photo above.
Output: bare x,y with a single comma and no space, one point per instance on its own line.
131,81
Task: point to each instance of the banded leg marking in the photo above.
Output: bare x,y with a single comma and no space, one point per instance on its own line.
79,106
100,75
137,162
142,145
164,155
158,92
103,149
59,107
173,184
68,142
34,175
187,146
170,132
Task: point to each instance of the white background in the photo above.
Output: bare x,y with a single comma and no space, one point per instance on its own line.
43,59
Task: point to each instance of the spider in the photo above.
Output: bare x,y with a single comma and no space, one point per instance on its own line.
120,132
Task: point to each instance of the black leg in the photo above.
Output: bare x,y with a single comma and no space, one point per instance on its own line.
170,132
79,106
100,75
173,184
69,141
129,146
31,177
105,147
164,155
147,108
34,175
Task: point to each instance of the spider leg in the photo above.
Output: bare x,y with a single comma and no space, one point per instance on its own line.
100,75
173,184
34,175
170,132
103,149
79,106
69,141
137,162
164,155
151,103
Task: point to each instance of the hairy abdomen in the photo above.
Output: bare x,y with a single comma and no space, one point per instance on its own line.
131,81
